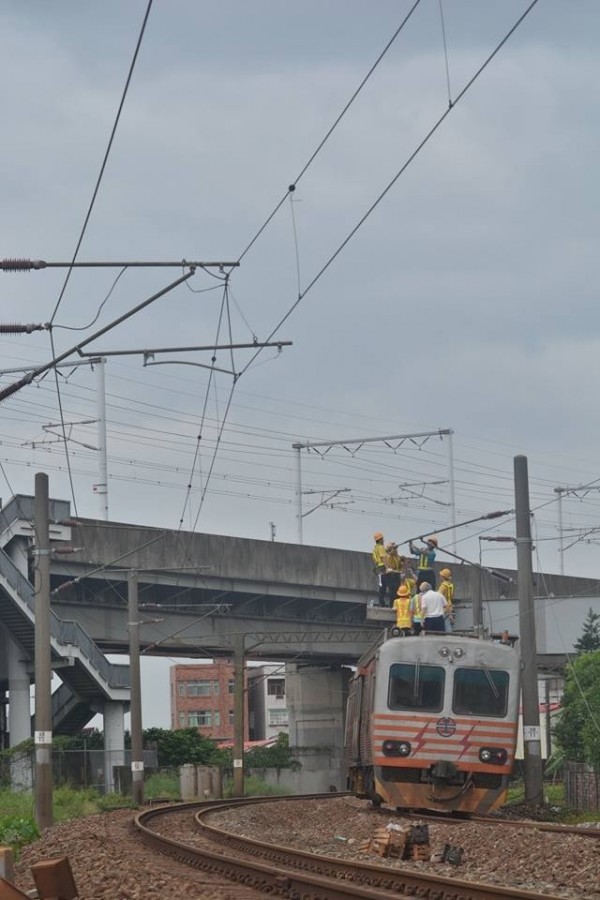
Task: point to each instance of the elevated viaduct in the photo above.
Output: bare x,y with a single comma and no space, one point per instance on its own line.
306,606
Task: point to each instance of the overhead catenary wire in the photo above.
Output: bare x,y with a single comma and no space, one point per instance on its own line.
393,181
105,159
330,131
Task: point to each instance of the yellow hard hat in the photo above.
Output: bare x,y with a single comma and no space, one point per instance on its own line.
446,573
378,536
403,591
391,546
432,540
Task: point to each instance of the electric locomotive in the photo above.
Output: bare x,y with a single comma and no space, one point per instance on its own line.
431,722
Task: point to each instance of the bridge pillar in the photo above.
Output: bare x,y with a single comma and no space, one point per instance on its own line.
316,702
19,707
114,741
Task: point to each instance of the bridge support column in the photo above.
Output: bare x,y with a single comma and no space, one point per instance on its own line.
114,742
19,707
316,703
19,713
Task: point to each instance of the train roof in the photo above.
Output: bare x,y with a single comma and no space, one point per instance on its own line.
488,647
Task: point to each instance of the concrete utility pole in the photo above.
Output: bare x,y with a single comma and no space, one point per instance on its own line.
238,717
534,793
137,751
42,665
102,486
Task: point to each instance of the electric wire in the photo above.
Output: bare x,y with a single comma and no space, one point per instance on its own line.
320,146
104,161
100,308
393,181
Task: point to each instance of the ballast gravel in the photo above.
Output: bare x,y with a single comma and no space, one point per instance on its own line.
109,861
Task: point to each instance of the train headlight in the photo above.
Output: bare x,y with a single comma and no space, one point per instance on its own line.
444,652
459,653
396,748
495,755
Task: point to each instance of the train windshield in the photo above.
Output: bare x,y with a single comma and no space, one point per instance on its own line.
415,686
480,692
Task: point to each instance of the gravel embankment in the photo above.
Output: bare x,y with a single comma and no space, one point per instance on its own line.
110,863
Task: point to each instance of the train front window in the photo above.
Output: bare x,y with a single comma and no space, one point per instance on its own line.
480,692
415,686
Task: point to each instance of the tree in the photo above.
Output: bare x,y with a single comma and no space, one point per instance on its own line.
577,732
186,745
590,638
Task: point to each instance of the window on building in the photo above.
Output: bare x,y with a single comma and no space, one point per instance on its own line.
216,688
198,688
231,686
182,722
276,688
216,717
199,718
230,717
181,688
278,717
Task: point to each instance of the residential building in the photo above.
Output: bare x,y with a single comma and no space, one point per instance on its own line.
268,713
202,697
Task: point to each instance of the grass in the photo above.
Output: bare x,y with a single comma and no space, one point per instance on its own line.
555,808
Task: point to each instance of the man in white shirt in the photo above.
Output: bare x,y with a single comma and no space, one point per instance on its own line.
433,608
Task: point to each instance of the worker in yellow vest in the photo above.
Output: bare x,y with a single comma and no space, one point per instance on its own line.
446,588
402,607
379,557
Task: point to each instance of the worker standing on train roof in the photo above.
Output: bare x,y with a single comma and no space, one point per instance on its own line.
446,588
415,608
407,577
433,608
426,558
402,607
379,557
394,568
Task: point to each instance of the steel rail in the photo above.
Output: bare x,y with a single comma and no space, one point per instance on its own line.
293,873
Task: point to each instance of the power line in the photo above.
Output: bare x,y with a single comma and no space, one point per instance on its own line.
320,146
104,161
391,183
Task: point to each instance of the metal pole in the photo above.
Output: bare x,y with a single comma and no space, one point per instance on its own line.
137,752
559,494
298,449
452,499
238,717
534,793
102,486
42,665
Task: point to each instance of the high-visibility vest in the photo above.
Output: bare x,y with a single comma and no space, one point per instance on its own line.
402,606
416,607
447,589
379,555
426,559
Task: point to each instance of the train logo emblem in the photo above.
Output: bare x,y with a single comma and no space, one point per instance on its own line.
445,727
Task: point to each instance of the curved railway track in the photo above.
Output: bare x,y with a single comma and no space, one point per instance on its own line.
282,871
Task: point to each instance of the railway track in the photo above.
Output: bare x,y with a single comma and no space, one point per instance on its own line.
426,816
282,871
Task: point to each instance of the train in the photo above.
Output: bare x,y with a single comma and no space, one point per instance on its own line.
431,722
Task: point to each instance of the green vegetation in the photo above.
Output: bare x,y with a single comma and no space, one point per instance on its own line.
576,732
590,638
186,745
254,787
16,831
162,786
555,809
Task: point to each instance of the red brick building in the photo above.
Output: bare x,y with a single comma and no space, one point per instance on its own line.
202,697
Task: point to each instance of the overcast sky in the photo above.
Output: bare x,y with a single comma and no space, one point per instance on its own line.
465,301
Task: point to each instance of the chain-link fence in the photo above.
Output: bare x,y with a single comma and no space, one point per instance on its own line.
105,771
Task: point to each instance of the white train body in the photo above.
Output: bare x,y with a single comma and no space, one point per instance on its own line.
432,723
